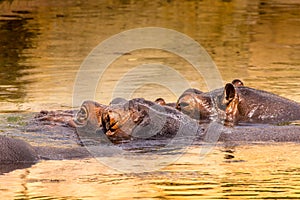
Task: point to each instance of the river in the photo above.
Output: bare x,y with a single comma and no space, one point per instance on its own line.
42,48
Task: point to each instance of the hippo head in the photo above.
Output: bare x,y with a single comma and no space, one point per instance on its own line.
205,105
195,104
119,120
88,118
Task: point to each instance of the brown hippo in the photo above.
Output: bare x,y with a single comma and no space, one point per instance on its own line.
89,116
203,106
237,103
140,118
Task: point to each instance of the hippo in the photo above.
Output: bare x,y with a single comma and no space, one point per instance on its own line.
138,121
88,118
204,106
140,118
237,103
129,122
15,154
53,126
21,151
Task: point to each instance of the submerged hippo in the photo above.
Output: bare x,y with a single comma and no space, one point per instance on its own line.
15,153
15,150
139,118
142,119
204,106
53,136
237,103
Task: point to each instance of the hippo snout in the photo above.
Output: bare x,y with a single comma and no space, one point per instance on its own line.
110,120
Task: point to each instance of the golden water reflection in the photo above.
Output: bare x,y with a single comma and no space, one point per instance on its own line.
43,43
253,171
255,41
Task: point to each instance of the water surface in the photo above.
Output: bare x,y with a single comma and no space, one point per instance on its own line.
43,43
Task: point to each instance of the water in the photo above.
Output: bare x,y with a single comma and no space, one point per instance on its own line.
43,43
250,174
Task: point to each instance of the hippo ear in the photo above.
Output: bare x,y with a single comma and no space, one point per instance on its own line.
237,83
229,93
160,101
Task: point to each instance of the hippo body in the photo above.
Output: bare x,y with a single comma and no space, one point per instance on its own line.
15,154
16,151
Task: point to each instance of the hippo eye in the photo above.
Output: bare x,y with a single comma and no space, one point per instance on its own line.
82,116
183,104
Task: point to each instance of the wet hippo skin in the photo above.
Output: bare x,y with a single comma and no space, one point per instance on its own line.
15,153
204,106
237,103
132,121
246,104
140,118
119,116
15,150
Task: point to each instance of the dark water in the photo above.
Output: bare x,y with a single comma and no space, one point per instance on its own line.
43,43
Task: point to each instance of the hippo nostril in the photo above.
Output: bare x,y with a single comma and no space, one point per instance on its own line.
106,121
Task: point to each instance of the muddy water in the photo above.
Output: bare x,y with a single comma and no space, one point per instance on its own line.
43,43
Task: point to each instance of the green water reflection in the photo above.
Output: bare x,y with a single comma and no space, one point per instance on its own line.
15,40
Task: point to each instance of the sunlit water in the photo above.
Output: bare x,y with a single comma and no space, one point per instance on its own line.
43,43
250,173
